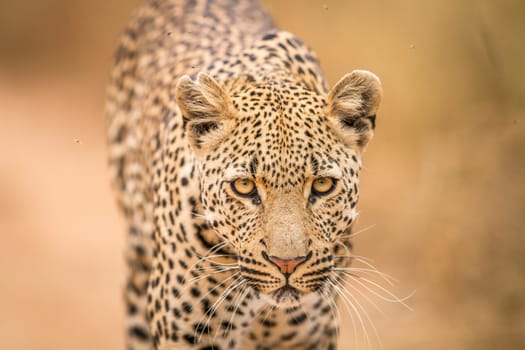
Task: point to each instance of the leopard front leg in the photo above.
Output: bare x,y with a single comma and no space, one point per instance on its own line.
133,201
138,261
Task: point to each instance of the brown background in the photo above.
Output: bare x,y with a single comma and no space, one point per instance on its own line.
444,182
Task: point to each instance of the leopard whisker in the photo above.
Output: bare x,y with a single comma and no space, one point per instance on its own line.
271,308
235,275
216,247
208,259
366,297
356,257
213,263
206,255
347,250
238,300
199,215
216,267
354,234
363,309
243,285
334,309
221,270
389,279
218,302
350,306
386,277
392,297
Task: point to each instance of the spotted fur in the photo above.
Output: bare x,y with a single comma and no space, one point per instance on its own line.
203,93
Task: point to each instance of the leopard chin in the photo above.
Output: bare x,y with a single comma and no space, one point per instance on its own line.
287,296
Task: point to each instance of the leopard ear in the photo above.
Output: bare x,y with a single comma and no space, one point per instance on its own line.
206,109
352,107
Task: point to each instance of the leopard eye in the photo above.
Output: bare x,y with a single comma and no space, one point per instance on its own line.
323,186
244,187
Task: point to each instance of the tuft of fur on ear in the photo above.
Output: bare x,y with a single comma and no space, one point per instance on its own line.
352,105
206,109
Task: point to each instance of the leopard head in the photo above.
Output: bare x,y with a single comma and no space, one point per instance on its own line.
279,173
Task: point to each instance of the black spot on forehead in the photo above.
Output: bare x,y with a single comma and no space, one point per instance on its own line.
279,127
254,162
277,93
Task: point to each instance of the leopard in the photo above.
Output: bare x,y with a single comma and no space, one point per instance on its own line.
236,171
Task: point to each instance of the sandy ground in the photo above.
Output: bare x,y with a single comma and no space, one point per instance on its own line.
61,264
442,196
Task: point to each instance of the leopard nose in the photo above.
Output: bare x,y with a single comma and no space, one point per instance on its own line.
287,266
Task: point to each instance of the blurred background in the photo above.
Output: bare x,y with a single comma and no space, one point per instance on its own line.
442,194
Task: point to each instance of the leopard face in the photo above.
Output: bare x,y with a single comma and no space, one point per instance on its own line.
279,171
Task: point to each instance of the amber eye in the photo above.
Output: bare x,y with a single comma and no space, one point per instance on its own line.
244,187
323,186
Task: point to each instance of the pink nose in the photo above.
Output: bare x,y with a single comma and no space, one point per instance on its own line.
287,266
